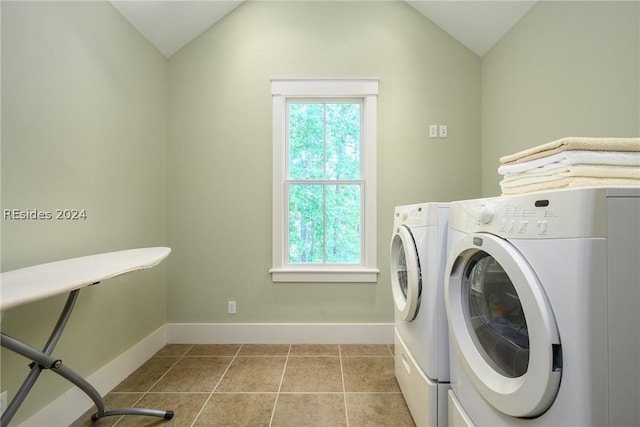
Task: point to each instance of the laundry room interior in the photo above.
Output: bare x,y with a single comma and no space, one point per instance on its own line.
175,148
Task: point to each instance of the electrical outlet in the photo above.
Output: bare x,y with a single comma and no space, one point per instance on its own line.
444,132
231,307
3,402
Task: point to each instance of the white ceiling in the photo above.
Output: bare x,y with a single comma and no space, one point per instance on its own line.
171,24
476,24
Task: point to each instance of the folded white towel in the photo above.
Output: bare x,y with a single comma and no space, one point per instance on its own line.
572,182
573,143
559,160
587,171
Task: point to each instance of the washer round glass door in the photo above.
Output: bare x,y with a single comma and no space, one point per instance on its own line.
502,326
406,282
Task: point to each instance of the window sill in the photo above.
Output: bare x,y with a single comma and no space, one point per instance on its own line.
361,275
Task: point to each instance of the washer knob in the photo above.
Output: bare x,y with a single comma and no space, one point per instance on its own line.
486,214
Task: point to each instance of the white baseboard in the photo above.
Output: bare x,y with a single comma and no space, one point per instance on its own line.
280,333
71,405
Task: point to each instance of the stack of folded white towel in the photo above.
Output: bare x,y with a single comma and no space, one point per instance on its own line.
572,162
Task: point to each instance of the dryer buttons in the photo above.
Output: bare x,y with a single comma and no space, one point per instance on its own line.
542,226
523,226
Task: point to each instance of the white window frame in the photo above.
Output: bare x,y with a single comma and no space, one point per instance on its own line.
362,89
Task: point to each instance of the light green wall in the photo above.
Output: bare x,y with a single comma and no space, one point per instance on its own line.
84,114
220,147
566,69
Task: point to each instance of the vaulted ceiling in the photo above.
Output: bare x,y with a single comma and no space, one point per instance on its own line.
171,24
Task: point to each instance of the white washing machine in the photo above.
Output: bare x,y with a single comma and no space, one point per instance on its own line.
542,293
418,256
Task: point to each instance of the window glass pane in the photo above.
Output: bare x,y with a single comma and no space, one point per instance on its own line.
343,141
324,144
496,317
306,243
306,141
343,224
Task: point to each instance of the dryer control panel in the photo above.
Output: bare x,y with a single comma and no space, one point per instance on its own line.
418,215
555,214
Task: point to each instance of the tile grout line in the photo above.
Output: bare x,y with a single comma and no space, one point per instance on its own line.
344,387
154,384
273,412
208,399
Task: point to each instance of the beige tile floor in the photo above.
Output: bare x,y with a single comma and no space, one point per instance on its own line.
263,385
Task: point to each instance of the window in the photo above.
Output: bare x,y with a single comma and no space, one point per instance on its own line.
324,187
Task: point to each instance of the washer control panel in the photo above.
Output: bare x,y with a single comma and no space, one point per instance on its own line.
555,214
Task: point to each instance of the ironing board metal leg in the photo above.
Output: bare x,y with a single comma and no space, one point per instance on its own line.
167,415
21,394
62,322
42,360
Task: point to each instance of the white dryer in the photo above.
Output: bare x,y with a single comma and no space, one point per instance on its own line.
542,294
418,256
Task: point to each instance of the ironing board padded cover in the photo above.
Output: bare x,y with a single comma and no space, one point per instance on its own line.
45,280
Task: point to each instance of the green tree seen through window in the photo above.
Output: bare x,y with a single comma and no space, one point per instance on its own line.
324,182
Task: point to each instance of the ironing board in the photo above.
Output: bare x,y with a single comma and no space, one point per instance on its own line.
30,284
